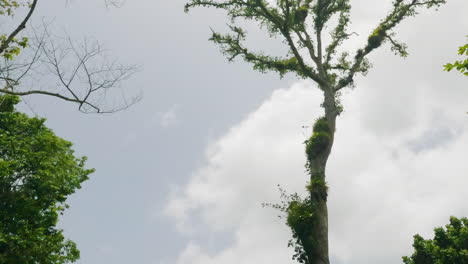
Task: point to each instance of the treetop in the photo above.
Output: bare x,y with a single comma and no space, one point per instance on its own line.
300,24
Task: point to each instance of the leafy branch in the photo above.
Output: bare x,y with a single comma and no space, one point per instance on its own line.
461,65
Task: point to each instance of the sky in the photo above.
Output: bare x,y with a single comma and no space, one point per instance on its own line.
181,175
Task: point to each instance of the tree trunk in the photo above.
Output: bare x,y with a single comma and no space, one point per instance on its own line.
316,246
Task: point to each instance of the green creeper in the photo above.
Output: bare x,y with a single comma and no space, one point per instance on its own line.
38,171
449,246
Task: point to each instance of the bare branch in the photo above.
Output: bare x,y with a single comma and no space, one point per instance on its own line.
60,67
114,3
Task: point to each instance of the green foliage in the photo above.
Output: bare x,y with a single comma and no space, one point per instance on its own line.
10,46
376,38
14,46
449,246
8,102
320,139
401,10
301,14
38,171
318,188
231,46
301,218
321,125
317,144
462,65
8,7
339,34
292,20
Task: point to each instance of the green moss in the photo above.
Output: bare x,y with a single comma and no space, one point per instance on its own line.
291,62
375,41
376,38
317,144
318,188
319,140
321,125
301,14
8,102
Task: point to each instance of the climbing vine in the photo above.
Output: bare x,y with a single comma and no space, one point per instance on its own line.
319,140
301,213
300,217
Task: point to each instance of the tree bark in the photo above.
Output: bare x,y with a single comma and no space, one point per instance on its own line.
316,245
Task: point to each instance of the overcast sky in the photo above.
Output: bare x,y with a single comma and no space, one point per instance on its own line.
180,176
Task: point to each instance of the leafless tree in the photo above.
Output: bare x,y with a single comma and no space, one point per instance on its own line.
58,66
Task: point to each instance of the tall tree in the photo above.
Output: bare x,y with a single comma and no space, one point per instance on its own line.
301,24
38,171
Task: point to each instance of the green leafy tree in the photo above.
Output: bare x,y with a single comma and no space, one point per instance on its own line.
461,66
301,25
38,171
449,246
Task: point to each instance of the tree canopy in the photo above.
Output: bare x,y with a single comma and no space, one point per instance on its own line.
38,171
449,246
301,24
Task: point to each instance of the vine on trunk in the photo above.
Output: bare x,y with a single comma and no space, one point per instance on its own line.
302,218
301,213
319,140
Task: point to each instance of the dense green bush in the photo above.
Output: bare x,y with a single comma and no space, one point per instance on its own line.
449,246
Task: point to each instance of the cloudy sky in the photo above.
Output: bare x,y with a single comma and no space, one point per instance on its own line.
180,176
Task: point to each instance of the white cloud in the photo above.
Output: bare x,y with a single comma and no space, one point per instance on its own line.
398,166
382,191
250,161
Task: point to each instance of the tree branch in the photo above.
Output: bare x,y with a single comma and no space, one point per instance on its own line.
382,31
83,73
18,29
